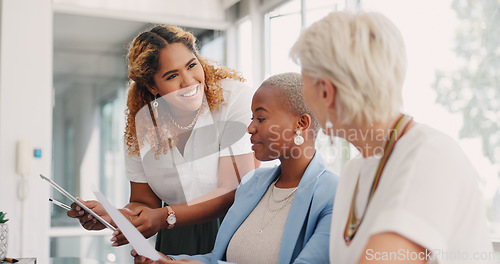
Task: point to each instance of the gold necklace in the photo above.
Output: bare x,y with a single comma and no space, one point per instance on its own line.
286,201
353,223
278,200
286,198
198,112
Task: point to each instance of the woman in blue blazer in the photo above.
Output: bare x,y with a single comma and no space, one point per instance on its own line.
295,228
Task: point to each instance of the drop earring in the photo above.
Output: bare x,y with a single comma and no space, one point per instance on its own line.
329,128
155,108
298,139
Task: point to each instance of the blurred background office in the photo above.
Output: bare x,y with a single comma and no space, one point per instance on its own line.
63,89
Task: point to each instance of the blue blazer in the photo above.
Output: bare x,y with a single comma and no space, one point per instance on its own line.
306,234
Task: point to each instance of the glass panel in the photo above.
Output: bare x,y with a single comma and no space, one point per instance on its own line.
113,182
58,215
452,82
289,7
245,62
284,28
335,155
321,4
84,249
317,9
213,45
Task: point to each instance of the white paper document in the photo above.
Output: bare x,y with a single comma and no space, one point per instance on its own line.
134,237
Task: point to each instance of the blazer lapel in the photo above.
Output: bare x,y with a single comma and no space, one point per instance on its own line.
243,206
300,208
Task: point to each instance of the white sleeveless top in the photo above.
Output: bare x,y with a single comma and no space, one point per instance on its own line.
428,193
177,178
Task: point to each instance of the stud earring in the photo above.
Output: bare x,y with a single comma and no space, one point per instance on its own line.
298,139
155,108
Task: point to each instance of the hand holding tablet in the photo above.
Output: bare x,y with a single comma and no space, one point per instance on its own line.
135,238
73,199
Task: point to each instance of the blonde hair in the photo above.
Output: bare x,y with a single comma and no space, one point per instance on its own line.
143,61
363,55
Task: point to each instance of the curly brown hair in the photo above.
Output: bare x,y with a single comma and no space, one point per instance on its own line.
143,62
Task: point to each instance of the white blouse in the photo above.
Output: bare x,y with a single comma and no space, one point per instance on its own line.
177,178
428,193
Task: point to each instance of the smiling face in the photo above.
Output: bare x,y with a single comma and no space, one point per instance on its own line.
180,78
273,126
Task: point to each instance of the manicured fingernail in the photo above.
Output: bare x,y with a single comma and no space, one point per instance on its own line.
113,239
115,233
78,208
80,212
114,244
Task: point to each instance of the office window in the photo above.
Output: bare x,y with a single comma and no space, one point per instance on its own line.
58,215
113,182
87,249
452,81
317,9
65,133
212,45
284,23
91,152
244,42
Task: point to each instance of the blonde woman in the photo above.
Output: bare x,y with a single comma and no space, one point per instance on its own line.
412,195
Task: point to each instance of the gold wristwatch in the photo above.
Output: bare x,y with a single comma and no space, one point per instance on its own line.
171,218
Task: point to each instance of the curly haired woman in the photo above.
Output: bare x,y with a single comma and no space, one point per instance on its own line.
185,141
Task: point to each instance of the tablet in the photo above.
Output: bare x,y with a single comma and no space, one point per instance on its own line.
84,207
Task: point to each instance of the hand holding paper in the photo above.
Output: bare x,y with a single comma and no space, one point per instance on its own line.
136,239
147,220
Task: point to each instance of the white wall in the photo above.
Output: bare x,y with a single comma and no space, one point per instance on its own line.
26,114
